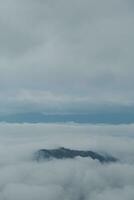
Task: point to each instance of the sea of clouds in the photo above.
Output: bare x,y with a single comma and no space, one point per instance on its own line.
23,178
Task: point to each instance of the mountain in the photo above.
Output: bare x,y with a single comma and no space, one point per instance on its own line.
64,153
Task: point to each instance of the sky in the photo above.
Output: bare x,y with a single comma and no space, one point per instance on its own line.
66,57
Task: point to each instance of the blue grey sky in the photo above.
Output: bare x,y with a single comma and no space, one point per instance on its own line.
67,57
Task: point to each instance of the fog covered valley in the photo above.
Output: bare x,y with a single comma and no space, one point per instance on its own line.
78,178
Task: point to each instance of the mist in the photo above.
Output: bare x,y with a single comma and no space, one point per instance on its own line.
21,177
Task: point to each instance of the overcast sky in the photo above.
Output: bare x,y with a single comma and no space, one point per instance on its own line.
66,55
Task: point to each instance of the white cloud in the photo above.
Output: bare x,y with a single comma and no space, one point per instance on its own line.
80,178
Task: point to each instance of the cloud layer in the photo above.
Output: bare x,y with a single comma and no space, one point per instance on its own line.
79,49
80,178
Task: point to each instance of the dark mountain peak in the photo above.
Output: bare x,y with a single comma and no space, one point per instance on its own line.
64,153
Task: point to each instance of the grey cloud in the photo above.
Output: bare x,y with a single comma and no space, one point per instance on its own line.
68,47
35,101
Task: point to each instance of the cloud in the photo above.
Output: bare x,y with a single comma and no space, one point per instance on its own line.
54,103
67,47
80,178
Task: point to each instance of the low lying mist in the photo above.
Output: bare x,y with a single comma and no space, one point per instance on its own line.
23,178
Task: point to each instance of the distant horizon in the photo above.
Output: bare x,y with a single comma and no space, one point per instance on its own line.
91,118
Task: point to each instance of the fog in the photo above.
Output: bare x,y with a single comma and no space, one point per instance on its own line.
23,178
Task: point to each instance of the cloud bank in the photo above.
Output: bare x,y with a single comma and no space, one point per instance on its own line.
62,53
79,178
